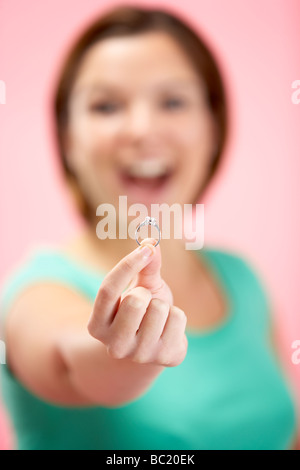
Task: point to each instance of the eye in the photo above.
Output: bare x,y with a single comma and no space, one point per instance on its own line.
105,107
174,103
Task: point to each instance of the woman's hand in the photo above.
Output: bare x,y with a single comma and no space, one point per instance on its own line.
134,315
138,332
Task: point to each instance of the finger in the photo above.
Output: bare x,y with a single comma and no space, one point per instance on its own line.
115,282
122,332
173,339
149,277
150,330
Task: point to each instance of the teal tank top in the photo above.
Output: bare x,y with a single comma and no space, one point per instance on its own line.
228,393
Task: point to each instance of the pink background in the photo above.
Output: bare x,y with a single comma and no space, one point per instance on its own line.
252,207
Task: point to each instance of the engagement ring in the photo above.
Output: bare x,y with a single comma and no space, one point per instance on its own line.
148,221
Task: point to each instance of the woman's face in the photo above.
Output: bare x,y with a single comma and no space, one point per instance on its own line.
139,125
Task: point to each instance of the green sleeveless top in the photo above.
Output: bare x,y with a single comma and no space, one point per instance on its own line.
228,393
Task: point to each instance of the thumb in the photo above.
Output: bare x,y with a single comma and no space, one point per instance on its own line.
149,277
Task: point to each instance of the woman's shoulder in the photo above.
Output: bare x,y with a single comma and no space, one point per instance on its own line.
243,277
46,264
33,263
235,262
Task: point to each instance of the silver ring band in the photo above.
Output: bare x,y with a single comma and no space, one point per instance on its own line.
148,221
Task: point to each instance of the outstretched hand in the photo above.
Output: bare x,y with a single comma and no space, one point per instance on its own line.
134,315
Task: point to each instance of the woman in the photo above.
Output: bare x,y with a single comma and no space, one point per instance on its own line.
110,346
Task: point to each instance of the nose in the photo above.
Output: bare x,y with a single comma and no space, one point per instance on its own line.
140,122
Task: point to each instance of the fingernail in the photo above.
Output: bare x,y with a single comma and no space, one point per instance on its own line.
147,250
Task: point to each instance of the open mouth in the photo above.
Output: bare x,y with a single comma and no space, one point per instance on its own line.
151,175
153,182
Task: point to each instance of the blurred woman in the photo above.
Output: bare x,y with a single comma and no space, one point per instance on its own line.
114,346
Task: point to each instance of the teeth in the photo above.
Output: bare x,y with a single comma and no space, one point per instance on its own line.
147,169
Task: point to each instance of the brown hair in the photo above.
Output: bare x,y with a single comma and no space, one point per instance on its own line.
127,21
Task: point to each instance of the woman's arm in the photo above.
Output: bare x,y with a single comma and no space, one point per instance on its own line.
51,352
54,346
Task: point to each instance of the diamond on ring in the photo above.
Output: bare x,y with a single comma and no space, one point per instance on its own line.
148,221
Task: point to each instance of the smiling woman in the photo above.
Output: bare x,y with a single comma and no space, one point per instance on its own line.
142,138
150,347
132,71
